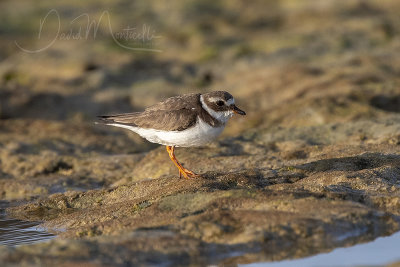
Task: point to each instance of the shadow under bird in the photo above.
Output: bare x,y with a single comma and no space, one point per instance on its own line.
180,121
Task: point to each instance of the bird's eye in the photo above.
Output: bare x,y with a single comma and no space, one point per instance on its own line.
220,103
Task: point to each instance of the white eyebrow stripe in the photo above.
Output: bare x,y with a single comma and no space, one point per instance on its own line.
230,102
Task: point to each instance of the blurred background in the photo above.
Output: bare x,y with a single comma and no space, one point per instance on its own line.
72,60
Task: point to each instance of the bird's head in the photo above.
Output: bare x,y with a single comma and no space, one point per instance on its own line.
220,105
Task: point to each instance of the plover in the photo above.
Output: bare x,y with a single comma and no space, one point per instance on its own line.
180,121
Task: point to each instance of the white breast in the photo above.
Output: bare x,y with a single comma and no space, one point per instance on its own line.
199,134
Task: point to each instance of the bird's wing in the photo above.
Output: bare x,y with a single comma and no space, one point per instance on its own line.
173,114
176,103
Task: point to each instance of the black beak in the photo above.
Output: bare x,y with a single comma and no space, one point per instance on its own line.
238,110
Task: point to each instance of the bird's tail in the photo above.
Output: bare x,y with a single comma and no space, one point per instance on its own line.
104,119
124,119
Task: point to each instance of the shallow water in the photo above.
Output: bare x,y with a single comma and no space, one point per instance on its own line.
17,232
381,251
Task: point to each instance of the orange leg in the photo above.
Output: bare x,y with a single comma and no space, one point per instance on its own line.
182,170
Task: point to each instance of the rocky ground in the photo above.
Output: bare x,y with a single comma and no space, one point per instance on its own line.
314,165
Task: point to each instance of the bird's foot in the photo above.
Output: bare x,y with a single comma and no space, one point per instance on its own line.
182,170
187,173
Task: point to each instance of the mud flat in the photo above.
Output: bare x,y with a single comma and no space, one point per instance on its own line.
313,166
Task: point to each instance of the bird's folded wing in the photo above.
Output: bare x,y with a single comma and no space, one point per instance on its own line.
176,103
173,114
173,120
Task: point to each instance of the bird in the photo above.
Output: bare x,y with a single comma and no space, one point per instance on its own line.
187,120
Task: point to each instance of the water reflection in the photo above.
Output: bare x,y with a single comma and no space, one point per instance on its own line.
381,251
16,232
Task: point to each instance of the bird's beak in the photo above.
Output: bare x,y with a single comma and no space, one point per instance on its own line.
237,110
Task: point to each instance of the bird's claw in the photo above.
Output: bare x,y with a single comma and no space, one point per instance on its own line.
187,174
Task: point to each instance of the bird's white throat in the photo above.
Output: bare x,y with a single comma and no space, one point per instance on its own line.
221,116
